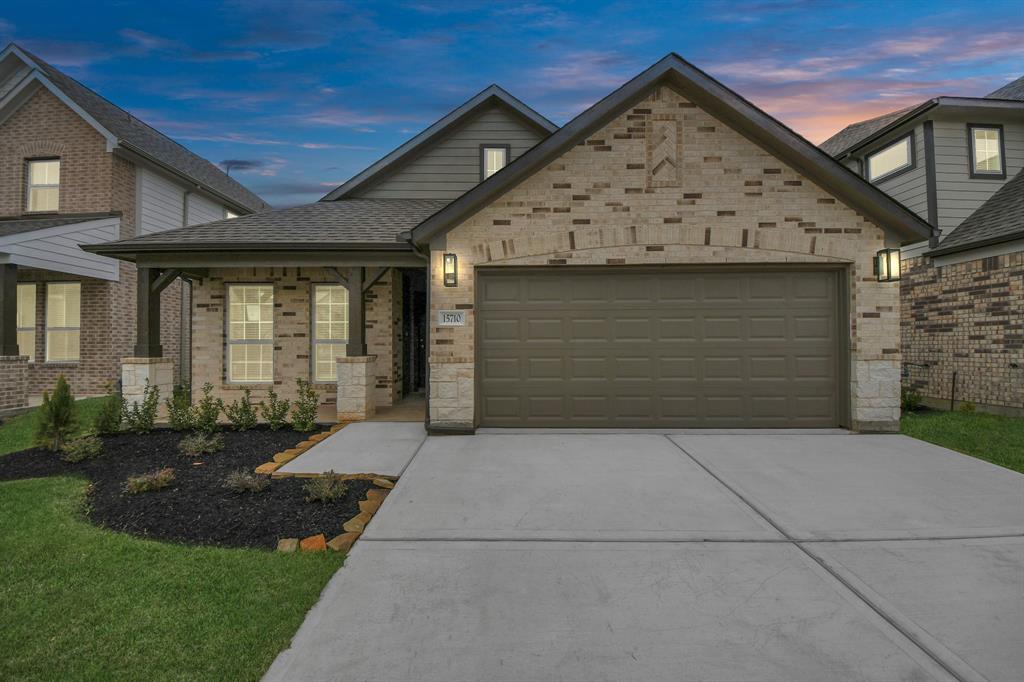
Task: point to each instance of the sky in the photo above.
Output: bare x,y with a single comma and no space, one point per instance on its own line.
296,97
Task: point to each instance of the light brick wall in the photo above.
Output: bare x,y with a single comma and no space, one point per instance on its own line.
968,318
609,201
12,382
292,331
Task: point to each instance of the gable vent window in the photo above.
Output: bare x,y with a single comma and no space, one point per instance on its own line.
896,158
986,151
492,159
43,185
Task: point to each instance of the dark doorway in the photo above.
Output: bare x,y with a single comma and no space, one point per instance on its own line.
414,330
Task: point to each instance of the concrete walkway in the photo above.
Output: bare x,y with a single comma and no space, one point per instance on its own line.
382,448
551,556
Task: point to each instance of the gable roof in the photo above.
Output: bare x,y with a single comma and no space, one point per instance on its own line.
717,100
856,132
1012,90
134,135
489,96
999,219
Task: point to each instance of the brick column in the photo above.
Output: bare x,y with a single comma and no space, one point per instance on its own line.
356,379
13,382
135,372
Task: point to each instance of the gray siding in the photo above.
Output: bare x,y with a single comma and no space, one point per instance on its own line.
161,203
451,166
202,210
910,188
56,248
960,195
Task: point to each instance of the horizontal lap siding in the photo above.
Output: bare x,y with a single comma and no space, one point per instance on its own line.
911,188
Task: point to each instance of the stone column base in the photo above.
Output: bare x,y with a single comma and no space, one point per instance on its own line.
13,382
135,372
356,379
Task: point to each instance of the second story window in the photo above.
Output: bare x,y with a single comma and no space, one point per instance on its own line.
43,185
986,151
492,159
896,158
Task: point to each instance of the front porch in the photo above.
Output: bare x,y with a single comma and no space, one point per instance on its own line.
410,408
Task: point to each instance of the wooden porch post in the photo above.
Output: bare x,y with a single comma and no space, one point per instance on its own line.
356,314
147,334
8,309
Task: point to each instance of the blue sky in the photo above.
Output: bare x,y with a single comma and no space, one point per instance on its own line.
303,94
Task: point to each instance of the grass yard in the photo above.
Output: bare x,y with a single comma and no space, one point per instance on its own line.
20,432
84,603
990,437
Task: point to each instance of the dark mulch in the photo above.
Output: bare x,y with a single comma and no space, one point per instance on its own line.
195,508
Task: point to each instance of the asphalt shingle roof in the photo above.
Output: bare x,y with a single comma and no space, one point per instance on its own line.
149,140
1001,218
12,226
348,221
855,133
1012,90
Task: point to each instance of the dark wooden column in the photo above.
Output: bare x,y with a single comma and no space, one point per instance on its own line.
147,320
8,309
356,314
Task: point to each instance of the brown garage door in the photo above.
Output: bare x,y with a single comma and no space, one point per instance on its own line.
657,347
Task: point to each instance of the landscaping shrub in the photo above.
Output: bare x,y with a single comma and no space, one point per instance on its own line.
108,419
144,483
275,410
245,481
326,488
141,416
910,400
56,416
199,444
207,410
304,414
82,448
179,408
967,407
241,412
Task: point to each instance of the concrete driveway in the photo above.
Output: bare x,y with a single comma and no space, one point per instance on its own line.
643,556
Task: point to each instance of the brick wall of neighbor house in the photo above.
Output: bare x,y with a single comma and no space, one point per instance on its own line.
613,199
92,180
292,331
968,318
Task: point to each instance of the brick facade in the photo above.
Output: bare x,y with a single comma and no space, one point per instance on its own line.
12,382
292,331
93,180
613,200
966,318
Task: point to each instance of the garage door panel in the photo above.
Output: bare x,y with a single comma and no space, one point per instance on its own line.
658,348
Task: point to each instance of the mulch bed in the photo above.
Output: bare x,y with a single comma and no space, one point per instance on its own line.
195,509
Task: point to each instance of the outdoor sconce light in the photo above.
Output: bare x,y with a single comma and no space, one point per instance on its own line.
887,265
451,270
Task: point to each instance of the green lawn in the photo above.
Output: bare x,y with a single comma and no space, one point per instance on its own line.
20,432
84,603
995,439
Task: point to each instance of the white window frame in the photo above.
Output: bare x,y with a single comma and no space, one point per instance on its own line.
911,163
973,156
229,342
317,342
484,148
228,214
64,329
29,185
22,328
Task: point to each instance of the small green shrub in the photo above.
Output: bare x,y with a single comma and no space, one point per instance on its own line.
326,488
207,410
141,416
199,444
179,408
241,412
245,481
304,414
910,400
56,416
82,448
108,419
275,410
967,407
144,483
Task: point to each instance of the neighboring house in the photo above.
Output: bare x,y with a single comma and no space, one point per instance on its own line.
959,163
76,169
673,256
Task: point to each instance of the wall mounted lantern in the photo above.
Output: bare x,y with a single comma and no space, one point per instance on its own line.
887,265
451,270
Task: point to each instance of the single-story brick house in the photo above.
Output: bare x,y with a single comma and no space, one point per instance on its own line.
673,256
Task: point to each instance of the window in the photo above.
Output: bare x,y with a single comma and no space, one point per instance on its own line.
897,157
228,215
251,333
63,320
26,324
330,329
986,151
492,159
43,185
